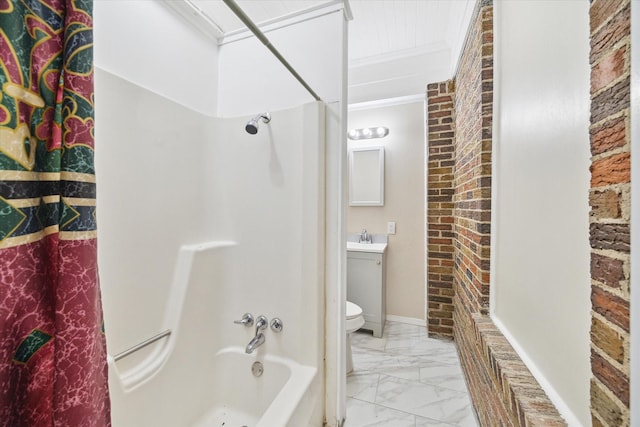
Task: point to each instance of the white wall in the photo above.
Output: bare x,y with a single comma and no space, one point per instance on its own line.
404,195
252,80
144,42
540,253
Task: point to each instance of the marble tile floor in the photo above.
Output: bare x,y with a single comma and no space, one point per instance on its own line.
406,379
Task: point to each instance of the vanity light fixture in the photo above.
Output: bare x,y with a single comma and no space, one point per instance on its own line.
368,133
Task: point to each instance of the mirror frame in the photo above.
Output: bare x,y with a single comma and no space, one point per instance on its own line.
377,183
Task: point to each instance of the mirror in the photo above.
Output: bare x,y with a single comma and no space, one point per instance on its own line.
366,176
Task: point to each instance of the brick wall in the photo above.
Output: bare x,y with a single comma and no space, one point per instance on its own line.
472,182
609,198
440,234
503,391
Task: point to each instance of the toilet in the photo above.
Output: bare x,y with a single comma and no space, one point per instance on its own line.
355,321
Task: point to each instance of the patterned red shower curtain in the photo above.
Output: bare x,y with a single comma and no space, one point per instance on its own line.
52,347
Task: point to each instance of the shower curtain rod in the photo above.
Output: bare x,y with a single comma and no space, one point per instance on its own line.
265,41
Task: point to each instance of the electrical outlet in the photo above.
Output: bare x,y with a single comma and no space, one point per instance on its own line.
391,227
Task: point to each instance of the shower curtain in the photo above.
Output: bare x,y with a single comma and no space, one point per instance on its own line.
53,368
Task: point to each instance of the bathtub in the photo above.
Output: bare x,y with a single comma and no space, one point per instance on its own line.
201,376
283,396
278,397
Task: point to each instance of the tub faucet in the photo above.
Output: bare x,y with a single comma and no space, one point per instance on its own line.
255,342
258,339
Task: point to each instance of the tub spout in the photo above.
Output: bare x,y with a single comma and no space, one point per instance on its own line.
255,342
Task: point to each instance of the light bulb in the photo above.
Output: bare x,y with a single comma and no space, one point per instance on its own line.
381,132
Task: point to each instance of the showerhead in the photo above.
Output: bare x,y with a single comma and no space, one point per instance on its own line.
252,125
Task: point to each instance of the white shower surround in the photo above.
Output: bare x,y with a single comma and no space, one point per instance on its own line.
170,140
257,204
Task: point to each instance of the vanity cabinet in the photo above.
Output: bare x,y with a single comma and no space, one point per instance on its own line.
366,287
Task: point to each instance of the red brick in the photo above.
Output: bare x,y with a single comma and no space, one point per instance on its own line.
606,270
616,237
610,376
609,135
617,28
614,169
612,307
609,69
601,11
439,100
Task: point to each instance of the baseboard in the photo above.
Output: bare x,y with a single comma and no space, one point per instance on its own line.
406,320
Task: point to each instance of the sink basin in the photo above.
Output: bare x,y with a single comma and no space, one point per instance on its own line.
367,247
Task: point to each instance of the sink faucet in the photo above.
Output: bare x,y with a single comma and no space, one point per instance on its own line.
258,339
364,236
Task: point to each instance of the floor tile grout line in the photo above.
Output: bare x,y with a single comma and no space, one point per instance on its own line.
404,412
418,383
413,336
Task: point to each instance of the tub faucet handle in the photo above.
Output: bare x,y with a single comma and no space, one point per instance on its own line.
247,320
261,323
276,324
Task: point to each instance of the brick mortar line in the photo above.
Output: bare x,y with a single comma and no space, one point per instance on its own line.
602,285
613,291
475,233
459,209
460,226
622,367
462,274
626,40
611,84
617,115
610,117
476,199
611,253
596,414
626,148
612,221
619,186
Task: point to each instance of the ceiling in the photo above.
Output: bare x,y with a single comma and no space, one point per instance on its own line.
396,47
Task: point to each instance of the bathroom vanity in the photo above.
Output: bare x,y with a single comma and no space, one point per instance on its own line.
366,285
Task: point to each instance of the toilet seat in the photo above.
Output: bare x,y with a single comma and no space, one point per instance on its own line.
353,310
355,319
